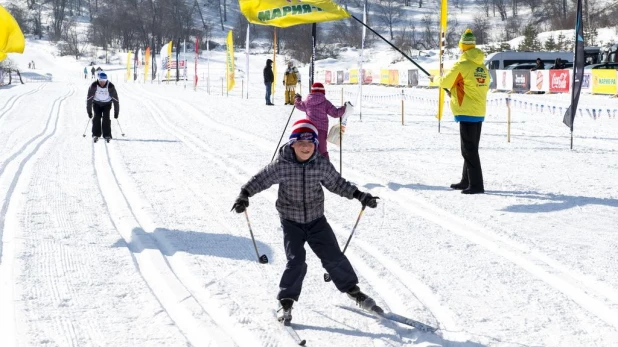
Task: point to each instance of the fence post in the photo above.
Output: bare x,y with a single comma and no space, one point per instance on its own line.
508,120
402,97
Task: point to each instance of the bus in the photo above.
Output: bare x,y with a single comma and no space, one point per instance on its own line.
500,60
592,55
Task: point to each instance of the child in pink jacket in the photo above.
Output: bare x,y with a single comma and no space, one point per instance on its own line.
318,109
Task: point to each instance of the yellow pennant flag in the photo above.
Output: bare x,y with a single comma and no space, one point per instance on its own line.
443,21
285,13
11,38
230,61
169,59
146,63
129,66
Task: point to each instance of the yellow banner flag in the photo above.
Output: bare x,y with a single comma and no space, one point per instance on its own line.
230,61
11,38
286,13
443,21
146,63
129,66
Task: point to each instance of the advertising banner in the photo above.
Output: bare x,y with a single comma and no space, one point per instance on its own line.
412,78
559,81
603,81
521,80
539,81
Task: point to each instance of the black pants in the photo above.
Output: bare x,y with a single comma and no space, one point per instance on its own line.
101,112
470,134
320,237
268,91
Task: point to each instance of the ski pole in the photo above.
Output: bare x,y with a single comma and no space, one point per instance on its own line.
286,126
86,127
327,276
122,132
263,259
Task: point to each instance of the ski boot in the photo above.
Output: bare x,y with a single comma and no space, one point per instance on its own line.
95,139
285,314
107,139
364,301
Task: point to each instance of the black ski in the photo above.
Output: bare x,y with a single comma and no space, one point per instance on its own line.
408,321
291,331
379,312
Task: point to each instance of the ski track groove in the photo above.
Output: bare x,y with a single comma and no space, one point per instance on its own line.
537,264
226,164
12,101
6,246
183,309
199,291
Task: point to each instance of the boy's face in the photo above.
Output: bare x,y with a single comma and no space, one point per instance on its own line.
303,149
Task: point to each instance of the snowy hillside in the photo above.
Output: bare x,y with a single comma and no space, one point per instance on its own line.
132,243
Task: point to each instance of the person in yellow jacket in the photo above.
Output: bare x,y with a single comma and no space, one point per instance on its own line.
290,80
468,83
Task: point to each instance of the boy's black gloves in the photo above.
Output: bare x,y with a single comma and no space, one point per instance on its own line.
242,202
366,199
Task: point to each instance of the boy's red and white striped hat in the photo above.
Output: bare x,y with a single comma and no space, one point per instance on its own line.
304,129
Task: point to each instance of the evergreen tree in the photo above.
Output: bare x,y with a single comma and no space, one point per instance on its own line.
550,44
531,41
561,44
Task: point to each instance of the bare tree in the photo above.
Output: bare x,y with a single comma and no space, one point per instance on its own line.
480,28
391,12
501,6
429,34
58,17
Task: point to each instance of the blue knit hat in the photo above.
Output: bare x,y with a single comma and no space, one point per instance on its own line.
102,76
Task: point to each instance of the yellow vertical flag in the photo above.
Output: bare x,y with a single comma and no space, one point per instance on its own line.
285,13
169,59
11,38
443,20
230,61
146,63
129,66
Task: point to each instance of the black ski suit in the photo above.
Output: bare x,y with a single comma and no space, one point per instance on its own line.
100,99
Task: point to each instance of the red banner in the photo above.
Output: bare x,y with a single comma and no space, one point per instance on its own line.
559,81
327,76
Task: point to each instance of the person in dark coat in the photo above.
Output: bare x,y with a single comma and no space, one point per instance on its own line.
269,78
101,95
558,65
540,65
92,71
301,172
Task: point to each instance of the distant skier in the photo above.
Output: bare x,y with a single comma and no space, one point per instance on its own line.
93,71
101,95
300,173
85,72
318,108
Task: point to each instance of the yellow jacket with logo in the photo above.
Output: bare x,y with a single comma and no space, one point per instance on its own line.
468,82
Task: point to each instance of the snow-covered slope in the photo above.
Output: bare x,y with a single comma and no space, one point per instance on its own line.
132,243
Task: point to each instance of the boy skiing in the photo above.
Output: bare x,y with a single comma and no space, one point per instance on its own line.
101,95
318,108
301,172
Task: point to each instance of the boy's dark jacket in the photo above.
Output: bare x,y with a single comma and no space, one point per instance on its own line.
300,198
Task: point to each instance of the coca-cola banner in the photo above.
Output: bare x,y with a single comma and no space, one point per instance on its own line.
559,81
539,81
339,77
492,76
521,80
